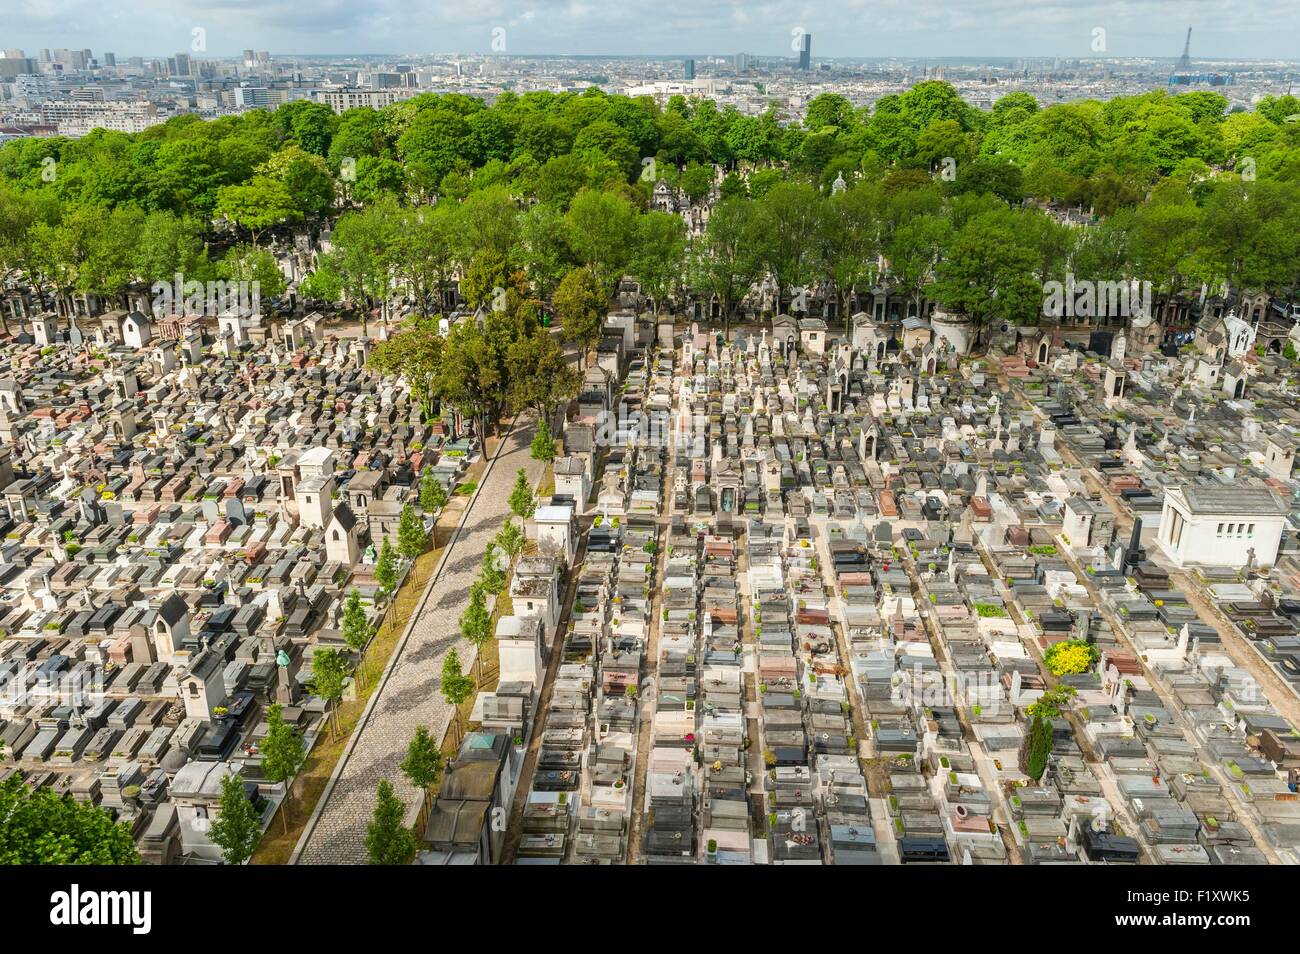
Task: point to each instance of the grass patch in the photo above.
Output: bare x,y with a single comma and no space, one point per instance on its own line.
546,486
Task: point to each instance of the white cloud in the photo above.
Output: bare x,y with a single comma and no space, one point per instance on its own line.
869,28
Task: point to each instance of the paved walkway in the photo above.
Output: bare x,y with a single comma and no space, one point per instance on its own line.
410,694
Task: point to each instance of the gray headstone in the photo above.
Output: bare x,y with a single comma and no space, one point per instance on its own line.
235,511
91,512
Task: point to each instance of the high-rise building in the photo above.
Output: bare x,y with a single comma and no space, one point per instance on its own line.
179,65
110,60
688,69
740,62
248,97
71,59
805,51
11,66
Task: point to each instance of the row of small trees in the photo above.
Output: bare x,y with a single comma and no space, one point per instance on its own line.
237,829
388,841
476,621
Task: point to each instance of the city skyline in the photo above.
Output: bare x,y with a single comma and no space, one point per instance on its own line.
889,29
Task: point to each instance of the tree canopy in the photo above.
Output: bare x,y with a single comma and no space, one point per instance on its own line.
44,828
525,194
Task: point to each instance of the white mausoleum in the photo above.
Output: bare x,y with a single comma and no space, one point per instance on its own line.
1221,526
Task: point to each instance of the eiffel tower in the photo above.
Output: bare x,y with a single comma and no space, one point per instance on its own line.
1185,61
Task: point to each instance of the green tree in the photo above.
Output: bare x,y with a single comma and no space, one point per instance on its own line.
604,139
167,244
305,177
237,829
789,221
988,271
329,676
581,304
386,567
61,249
376,179
539,373
492,576
659,258
851,241
424,254
356,626
457,688
42,827
423,764
411,536
486,275
258,205
1051,702
540,247
432,145
522,501
256,266
433,496
309,124
829,109
488,221
324,283
601,232
283,754
365,250
510,538
388,841
724,262
543,446
1038,747
415,353
696,180
472,378
476,622
360,132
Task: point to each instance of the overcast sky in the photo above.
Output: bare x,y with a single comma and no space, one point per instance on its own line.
867,28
